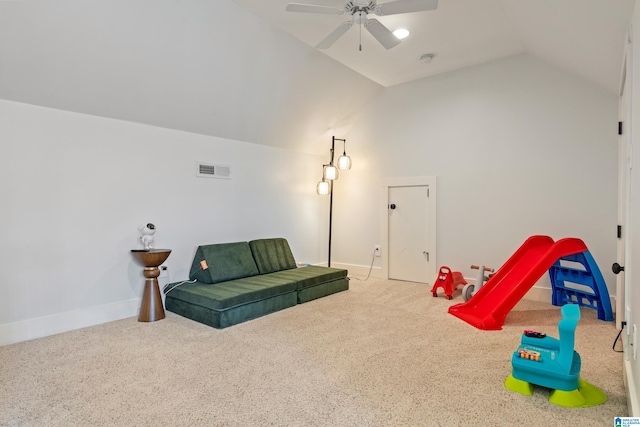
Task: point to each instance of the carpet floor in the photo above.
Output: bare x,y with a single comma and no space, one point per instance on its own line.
384,353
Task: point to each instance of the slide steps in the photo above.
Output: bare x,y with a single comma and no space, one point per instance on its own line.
581,283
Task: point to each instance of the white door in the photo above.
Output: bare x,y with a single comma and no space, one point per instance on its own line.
408,247
623,192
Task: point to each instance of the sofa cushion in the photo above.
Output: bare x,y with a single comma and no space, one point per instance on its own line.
234,315
233,293
221,262
309,276
272,255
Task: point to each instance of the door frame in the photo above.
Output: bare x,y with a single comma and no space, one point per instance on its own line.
418,181
624,175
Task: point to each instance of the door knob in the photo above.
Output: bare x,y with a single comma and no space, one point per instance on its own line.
392,206
616,268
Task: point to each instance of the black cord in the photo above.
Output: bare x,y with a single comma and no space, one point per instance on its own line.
617,338
373,258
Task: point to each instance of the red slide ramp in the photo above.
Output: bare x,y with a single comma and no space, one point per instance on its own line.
489,306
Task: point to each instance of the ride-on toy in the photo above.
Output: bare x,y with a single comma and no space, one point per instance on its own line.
447,280
553,363
470,289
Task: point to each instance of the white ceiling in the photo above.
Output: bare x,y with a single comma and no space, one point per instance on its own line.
584,37
226,68
175,64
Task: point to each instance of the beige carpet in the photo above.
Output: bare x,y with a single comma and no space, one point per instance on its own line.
383,353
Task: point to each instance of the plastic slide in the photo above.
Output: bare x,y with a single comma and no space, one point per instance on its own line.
489,306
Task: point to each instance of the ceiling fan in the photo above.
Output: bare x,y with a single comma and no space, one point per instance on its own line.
359,9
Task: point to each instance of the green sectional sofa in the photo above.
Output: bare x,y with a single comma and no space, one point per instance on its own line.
240,281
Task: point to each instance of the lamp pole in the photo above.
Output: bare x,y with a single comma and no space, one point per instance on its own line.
333,143
330,173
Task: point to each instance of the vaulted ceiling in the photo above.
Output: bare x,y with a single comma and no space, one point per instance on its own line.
584,37
247,70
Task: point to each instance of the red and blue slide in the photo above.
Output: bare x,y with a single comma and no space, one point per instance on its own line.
489,306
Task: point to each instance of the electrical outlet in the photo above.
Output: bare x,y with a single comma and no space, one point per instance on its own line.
164,271
377,250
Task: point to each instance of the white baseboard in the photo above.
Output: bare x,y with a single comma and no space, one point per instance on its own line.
543,294
536,293
632,394
539,294
358,270
25,330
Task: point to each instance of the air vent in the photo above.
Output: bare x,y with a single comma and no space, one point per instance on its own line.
209,170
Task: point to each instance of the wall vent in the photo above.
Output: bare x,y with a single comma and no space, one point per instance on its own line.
209,170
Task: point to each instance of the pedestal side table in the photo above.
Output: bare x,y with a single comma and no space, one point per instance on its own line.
151,308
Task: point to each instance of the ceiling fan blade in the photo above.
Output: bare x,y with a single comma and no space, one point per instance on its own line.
335,35
405,6
311,8
381,33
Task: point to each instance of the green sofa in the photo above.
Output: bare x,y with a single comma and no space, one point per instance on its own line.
240,281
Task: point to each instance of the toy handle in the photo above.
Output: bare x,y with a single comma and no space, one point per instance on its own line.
477,267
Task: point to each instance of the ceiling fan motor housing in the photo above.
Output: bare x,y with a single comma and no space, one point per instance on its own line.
365,6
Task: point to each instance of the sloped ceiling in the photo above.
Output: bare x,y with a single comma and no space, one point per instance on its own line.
246,69
584,37
208,67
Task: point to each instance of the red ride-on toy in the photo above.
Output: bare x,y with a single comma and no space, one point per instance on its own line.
449,281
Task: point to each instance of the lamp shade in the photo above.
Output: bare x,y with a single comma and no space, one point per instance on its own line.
344,162
322,188
330,172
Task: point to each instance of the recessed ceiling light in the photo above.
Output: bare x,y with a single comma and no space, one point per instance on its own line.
401,33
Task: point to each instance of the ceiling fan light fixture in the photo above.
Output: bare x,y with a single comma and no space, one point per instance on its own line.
401,33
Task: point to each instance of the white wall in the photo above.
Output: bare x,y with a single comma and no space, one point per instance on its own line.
74,189
518,148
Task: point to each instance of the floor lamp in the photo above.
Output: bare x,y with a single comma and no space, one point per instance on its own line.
330,174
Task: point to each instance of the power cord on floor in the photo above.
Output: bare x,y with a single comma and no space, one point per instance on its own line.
179,284
373,258
617,338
